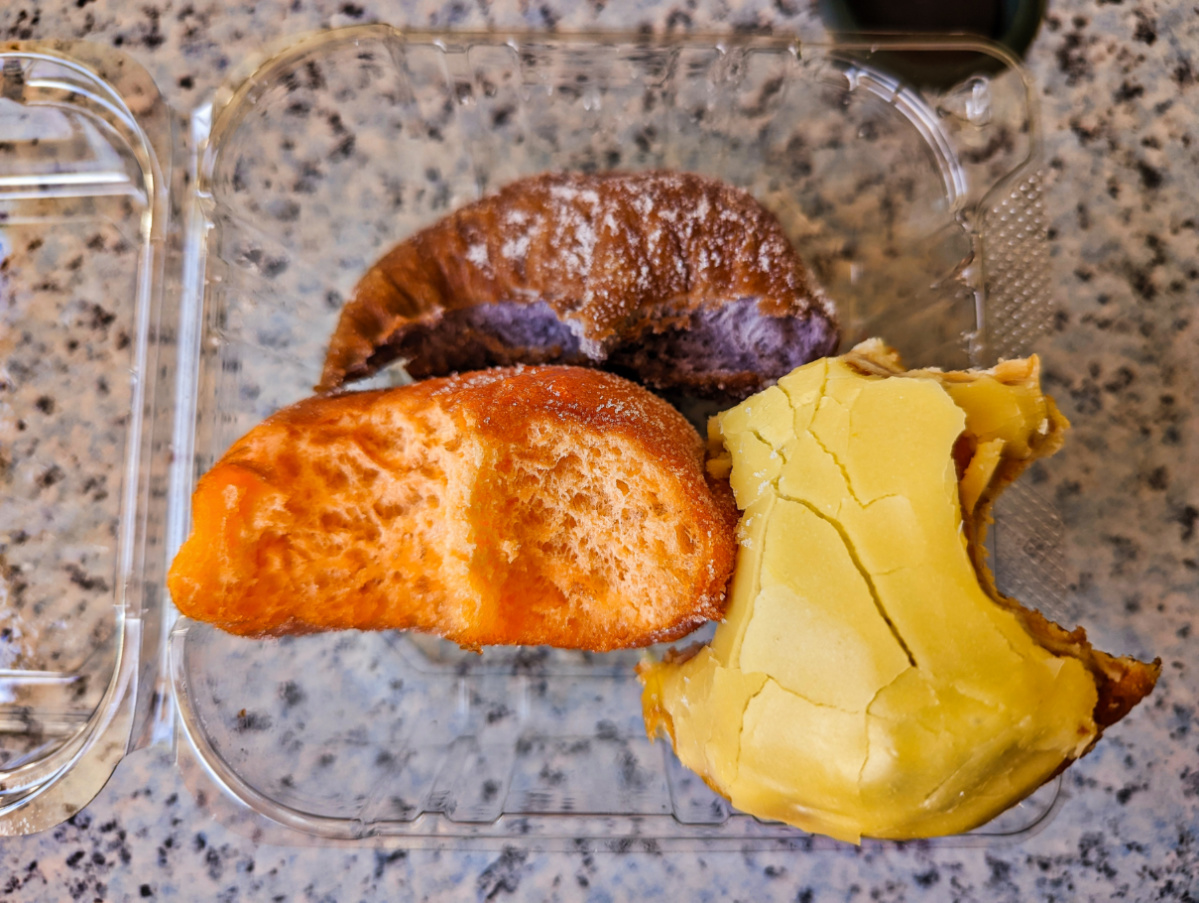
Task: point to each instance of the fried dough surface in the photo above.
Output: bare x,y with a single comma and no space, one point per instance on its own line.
682,281
530,505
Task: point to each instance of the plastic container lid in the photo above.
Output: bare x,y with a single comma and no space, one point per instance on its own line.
168,278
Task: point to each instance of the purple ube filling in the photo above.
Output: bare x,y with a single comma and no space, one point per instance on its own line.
730,339
731,342
486,335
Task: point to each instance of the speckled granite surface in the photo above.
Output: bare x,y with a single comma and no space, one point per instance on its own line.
1120,111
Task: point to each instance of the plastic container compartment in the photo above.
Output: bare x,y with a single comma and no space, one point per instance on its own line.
170,278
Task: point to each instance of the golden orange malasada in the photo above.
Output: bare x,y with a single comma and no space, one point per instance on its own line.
529,505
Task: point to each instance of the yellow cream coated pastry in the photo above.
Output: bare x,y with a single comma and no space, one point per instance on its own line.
868,679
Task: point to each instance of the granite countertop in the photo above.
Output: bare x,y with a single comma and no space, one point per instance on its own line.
1120,119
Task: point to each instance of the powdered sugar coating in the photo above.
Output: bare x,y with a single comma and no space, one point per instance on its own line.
617,257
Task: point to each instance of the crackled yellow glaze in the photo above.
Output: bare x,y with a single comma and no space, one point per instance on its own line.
864,682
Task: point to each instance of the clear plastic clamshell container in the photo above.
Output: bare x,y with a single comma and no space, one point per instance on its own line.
168,278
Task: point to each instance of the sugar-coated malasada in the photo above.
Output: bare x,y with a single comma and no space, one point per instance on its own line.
680,281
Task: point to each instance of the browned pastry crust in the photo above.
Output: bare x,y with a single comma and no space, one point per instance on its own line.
682,281
534,505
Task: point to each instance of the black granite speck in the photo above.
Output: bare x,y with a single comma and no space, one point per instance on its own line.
502,876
